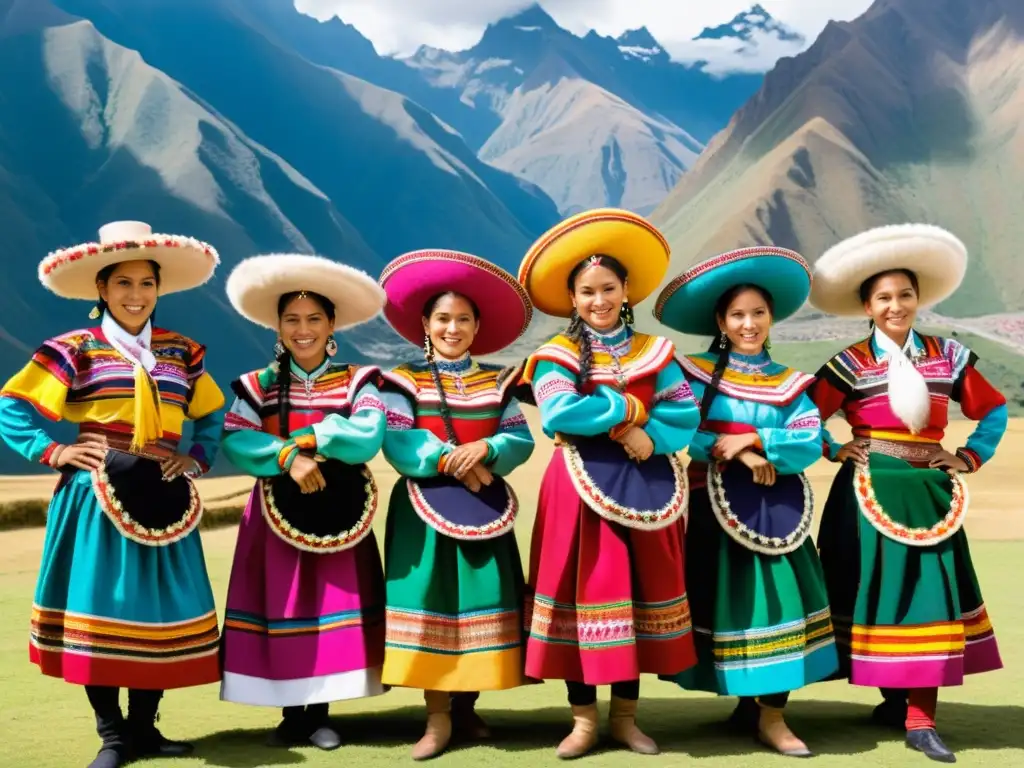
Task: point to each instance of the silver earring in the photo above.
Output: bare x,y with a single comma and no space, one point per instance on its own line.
428,348
278,348
722,340
332,346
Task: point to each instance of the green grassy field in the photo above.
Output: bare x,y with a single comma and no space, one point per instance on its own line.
46,723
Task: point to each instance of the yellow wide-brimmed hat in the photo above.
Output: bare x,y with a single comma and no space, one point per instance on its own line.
628,238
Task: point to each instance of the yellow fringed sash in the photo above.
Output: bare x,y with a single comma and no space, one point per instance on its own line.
147,425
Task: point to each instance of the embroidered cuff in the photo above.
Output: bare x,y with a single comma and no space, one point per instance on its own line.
970,458
198,455
442,460
286,456
636,416
306,442
49,457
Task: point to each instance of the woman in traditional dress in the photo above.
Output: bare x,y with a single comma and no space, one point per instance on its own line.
608,599
123,599
305,609
908,610
757,593
453,571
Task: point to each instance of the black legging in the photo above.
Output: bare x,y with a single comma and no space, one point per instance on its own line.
106,703
314,712
776,700
582,695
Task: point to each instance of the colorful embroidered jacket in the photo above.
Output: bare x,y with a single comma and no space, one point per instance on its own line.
335,411
481,406
757,394
855,382
80,377
634,380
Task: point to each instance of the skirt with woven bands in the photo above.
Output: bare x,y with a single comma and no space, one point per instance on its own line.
454,607
301,627
761,622
605,602
907,615
111,611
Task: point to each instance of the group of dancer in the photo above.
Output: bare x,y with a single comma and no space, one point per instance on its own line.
702,573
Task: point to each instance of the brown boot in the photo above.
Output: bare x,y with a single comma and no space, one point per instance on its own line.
584,733
773,732
439,726
622,723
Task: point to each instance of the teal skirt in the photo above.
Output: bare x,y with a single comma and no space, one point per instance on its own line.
113,612
761,622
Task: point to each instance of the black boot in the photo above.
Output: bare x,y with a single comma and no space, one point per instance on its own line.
745,717
146,740
927,740
323,736
110,726
892,712
466,721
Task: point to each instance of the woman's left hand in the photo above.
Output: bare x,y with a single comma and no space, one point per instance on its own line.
178,464
949,462
728,447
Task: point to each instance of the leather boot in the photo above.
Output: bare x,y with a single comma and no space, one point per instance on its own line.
622,724
324,736
926,740
114,752
773,732
146,740
293,730
439,726
584,733
466,722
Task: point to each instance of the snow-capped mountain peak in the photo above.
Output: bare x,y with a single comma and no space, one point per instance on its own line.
640,44
744,26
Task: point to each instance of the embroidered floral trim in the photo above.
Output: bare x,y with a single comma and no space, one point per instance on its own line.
58,259
320,544
640,519
746,536
133,529
872,509
435,520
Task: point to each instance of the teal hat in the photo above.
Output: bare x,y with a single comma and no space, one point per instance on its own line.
687,303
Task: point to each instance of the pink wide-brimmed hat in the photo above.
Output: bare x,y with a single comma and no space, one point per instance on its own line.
413,278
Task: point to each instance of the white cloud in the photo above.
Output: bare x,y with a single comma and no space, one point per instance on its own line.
401,26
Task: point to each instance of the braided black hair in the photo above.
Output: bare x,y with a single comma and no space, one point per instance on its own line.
104,275
722,345
577,330
435,373
284,360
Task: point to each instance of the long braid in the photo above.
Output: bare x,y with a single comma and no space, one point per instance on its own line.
284,383
446,414
716,377
577,332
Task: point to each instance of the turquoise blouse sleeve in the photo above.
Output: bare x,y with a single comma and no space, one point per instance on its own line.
358,438
247,446
513,443
412,452
564,409
205,440
795,446
19,428
674,417
987,435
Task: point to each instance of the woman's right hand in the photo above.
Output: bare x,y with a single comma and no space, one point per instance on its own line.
764,471
856,449
306,473
87,455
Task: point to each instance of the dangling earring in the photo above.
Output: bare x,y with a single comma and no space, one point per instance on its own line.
279,349
626,312
428,348
332,346
767,343
723,340
94,313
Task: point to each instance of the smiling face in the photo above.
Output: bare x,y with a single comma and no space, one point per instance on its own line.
130,293
305,326
451,324
747,321
598,294
892,303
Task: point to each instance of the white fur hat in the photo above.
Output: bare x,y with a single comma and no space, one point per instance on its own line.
937,257
185,262
256,284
